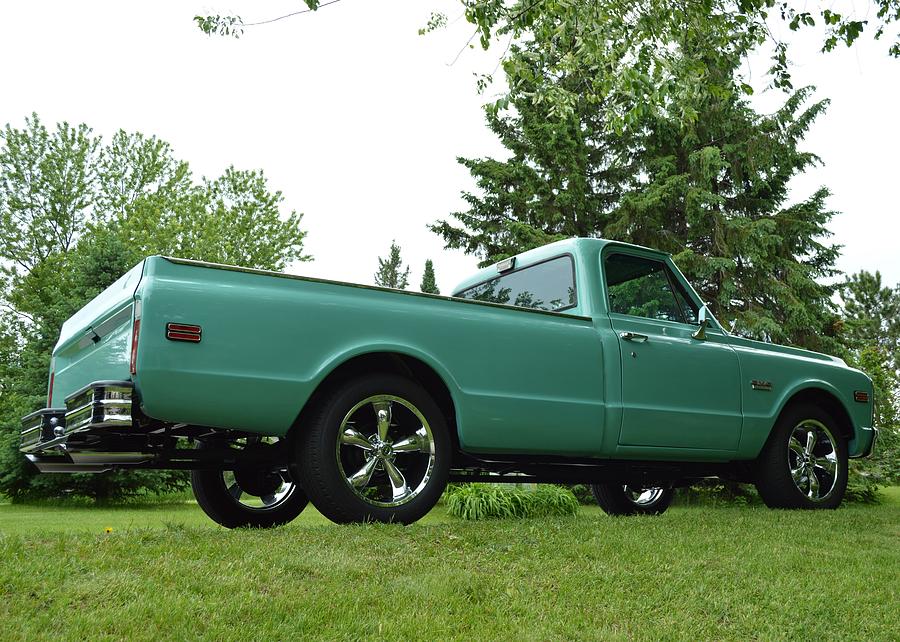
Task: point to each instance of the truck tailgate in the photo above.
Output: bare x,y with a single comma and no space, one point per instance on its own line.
94,343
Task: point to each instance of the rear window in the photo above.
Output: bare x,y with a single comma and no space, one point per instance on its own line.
549,285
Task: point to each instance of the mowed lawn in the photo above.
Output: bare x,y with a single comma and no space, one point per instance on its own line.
737,573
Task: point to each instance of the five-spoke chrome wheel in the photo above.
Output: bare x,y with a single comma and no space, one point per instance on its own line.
259,489
255,496
813,459
804,462
376,449
385,450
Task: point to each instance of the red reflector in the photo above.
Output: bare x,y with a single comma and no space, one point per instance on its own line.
181,327
861,396
183,336
183,332
135,330
50,391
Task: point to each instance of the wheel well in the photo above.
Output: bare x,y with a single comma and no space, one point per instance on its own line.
387,362
829,403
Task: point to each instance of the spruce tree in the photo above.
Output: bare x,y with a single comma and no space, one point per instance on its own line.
391,273
871,314
429,283
711,189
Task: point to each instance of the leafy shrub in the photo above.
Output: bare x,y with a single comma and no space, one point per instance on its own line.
583,494
488,501
715,492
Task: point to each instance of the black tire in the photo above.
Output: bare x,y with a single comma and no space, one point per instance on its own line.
374,405
825,465
222,496
621,499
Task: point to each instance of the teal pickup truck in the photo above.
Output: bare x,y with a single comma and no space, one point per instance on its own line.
584,361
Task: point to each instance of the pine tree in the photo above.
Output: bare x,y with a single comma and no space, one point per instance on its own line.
872,335
871,313
391,273
712,190
429,283
564,176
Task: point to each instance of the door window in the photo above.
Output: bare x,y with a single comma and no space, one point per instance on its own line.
642,287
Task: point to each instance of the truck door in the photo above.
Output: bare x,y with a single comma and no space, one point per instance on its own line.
678,391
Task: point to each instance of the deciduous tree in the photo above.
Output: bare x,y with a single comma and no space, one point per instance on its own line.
76,212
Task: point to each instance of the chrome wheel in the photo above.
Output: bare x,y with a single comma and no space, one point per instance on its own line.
385,450
643,496
813,459
254,496
259,490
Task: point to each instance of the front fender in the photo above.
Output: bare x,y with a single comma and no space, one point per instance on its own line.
758,427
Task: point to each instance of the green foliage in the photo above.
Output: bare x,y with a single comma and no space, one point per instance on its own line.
583,494
871,314
436,20
633,46
711,189
714,492
391,273
871,332
429,283
77,212
883,467
220,25
234,26
489,501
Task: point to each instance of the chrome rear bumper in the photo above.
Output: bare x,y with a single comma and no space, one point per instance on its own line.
102,404
50,437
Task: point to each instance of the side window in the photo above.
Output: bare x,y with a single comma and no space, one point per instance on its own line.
643,288
688,309
545,286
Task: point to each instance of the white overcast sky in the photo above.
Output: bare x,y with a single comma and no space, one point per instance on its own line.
358,120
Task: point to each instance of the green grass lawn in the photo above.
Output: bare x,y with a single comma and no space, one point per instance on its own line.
694,573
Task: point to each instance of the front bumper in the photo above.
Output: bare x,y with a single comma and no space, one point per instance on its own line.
868,451
60,439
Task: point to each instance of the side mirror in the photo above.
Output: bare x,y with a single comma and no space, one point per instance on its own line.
703,321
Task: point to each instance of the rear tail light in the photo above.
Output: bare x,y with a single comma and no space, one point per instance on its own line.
135,331
861,396
135,334
50,390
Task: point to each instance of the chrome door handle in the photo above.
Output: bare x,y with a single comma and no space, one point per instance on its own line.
633,336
